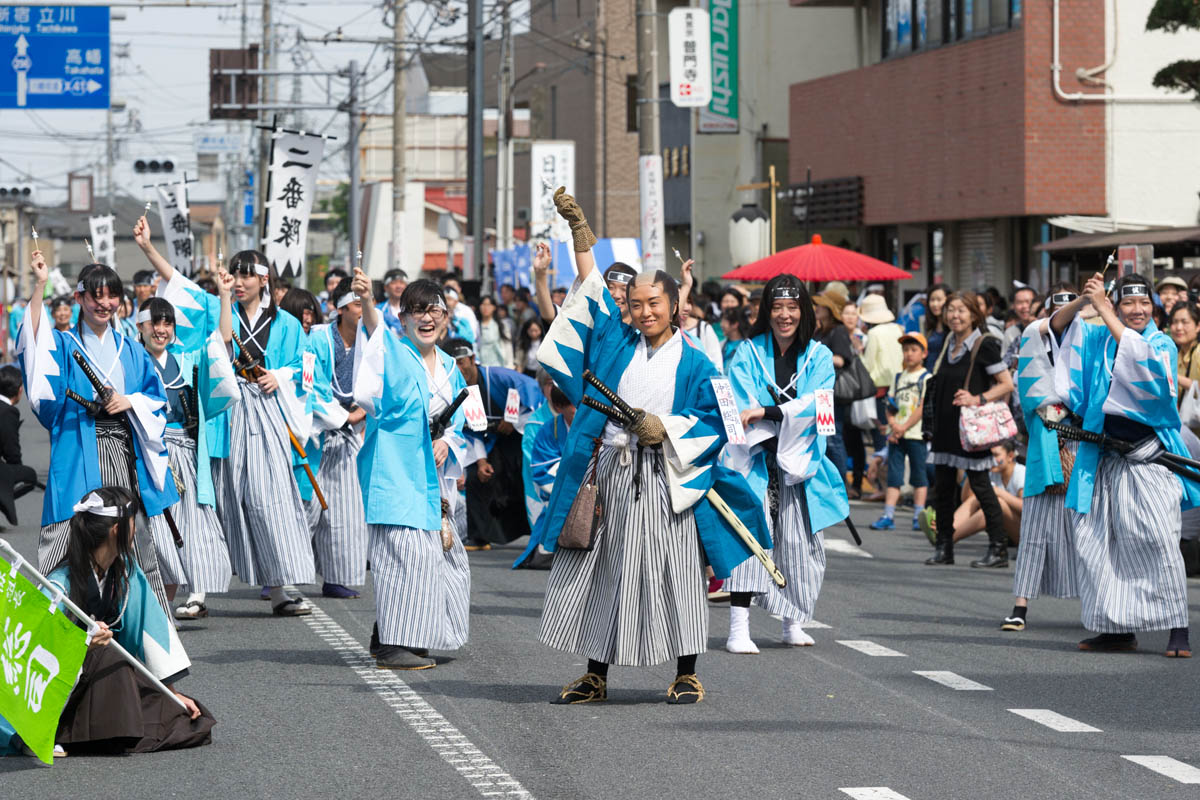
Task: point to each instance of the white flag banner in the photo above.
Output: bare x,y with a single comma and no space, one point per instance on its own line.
650,179
690,57
103,240
552,165
295,159
176,225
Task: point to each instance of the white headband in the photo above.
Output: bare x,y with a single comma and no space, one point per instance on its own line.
79,287
1134,290
143,316
619,276
92,504
347,299
262,269
451,293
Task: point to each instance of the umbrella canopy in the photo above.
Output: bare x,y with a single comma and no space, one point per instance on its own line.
819,262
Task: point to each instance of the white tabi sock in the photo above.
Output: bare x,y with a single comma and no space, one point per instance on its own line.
195,597
739,640
794,635
278,595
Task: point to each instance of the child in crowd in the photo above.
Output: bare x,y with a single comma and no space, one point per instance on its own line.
906,399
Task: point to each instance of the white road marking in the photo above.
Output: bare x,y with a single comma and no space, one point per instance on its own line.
812,624
953,680
1054,720
872,793
445,739
841,546
870,648
1165,765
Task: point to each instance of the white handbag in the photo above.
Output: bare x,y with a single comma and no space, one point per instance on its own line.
863,414
1189,406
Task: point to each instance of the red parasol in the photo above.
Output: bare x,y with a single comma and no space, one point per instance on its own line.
819,262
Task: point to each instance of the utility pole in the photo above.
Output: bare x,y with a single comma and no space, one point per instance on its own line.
399,150
504,134
471,269
264,142
352,151
647,67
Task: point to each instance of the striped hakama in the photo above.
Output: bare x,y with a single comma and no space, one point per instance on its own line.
340,532
422,592
638,597
1131,573
112,445
799,555
1046,556
205,554
262,513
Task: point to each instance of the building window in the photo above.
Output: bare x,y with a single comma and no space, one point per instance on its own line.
631,104
913,25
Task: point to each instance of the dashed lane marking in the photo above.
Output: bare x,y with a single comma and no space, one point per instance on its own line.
812,624
952,680
870,648
842,547
1054,720
1165,765
872,793
446,740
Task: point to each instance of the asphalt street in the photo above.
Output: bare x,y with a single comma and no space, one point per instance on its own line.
303,713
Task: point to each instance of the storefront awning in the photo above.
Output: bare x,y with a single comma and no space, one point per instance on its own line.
1109,241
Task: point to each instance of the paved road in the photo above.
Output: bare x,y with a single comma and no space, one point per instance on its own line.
303,714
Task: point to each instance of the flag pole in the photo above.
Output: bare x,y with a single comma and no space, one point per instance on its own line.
17,561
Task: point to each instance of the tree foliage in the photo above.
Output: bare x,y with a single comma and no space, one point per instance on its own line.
1171,16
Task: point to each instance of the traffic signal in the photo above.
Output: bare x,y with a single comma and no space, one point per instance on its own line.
154,165
16,193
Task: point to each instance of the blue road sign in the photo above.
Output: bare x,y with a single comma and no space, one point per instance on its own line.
54,57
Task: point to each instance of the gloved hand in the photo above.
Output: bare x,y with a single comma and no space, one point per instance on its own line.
569,210
649,430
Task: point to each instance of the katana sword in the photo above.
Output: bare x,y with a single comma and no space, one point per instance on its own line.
1180,465
103,393
437,425
250,369
632,415
617,413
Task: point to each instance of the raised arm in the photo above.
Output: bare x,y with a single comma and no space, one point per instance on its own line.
141,235
686,282
224,290
541,281
41,274
361,286
1095,293
581,233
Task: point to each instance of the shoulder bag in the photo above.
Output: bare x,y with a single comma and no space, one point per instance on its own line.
853,382
583,520
984,426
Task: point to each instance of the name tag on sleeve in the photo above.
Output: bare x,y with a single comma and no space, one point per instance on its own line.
823,405
473,409
512,407
729,411
308,371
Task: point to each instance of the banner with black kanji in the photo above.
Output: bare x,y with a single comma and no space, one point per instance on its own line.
176,225
295,160
103,239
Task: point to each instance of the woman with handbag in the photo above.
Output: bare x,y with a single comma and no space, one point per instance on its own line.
847,442
1184,324
777,377
969,374
628,512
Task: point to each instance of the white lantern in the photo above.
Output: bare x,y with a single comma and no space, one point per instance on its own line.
749,235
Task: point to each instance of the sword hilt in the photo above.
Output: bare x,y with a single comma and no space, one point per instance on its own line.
611,412
90,406
632,415
244,360
102,392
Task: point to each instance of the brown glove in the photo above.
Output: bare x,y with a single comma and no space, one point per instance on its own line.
569,210
650,430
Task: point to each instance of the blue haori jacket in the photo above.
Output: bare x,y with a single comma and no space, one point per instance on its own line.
801,450
1135,380
588,333
396,466
217,391
50,370
1035,388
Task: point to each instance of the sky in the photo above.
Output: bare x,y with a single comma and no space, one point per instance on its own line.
164,83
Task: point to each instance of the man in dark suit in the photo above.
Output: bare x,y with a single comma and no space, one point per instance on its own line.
16,479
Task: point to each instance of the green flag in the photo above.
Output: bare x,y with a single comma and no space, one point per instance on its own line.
41,654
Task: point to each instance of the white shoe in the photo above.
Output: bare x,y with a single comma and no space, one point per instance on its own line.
739,640
794,635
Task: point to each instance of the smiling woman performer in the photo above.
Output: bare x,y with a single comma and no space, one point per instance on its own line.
89,452
637,598
202,564
1120,378
776,376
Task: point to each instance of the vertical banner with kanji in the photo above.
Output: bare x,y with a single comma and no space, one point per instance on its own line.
102,240
552,164
295,160
654,253
177,227
41,654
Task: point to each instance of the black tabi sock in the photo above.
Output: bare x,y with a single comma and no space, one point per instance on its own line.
740,599
1019,611
686,665
598,668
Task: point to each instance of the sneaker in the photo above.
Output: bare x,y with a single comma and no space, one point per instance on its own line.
883,524
916,522
928,522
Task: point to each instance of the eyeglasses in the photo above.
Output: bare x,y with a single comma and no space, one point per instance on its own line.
436,313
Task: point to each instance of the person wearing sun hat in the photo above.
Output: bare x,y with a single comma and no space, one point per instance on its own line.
883,354
1171,290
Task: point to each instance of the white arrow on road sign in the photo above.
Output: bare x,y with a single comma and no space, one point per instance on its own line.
21,64
22,45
